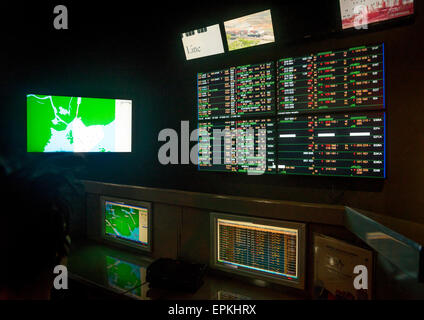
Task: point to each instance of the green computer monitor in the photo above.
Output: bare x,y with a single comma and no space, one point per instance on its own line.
127,222
77,124
249,31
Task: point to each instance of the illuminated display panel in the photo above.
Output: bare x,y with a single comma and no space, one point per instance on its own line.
351,145
237,149
358,13
237,92
78,124
346,80
346,88
259,248
127,222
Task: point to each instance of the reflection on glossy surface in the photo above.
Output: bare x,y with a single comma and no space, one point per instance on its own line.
109,268
227,295
125,276
120,271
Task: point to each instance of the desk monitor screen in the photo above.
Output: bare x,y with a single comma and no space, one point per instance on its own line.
237,92
264,249
76,124
349,80
127,222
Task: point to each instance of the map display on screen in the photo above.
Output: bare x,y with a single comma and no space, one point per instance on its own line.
76,124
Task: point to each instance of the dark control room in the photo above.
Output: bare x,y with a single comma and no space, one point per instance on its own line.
223,154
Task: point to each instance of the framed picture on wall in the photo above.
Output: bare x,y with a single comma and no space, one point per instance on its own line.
341,271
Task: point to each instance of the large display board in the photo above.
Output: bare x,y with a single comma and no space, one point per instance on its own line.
320,114
361,13
345,80
228,146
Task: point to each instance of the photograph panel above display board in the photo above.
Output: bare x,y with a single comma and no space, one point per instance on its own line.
249,31
360,14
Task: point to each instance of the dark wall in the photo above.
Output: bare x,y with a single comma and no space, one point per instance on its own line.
122,51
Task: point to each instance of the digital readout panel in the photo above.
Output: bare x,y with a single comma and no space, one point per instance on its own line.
332,145
237,92
346,80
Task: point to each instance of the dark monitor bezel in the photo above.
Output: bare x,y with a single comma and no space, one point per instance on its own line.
123,242
299,283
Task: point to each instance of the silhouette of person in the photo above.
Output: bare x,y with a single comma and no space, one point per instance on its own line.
34,235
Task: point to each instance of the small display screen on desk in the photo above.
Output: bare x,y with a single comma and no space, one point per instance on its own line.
260,248
127,222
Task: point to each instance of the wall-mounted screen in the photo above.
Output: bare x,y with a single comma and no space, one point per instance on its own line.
320,114
266,249
127,222
344,80
237,92
229,146
203,42
249,31
76,124
361,13
350,145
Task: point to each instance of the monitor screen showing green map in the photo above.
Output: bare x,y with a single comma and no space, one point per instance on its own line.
75,124
127,222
